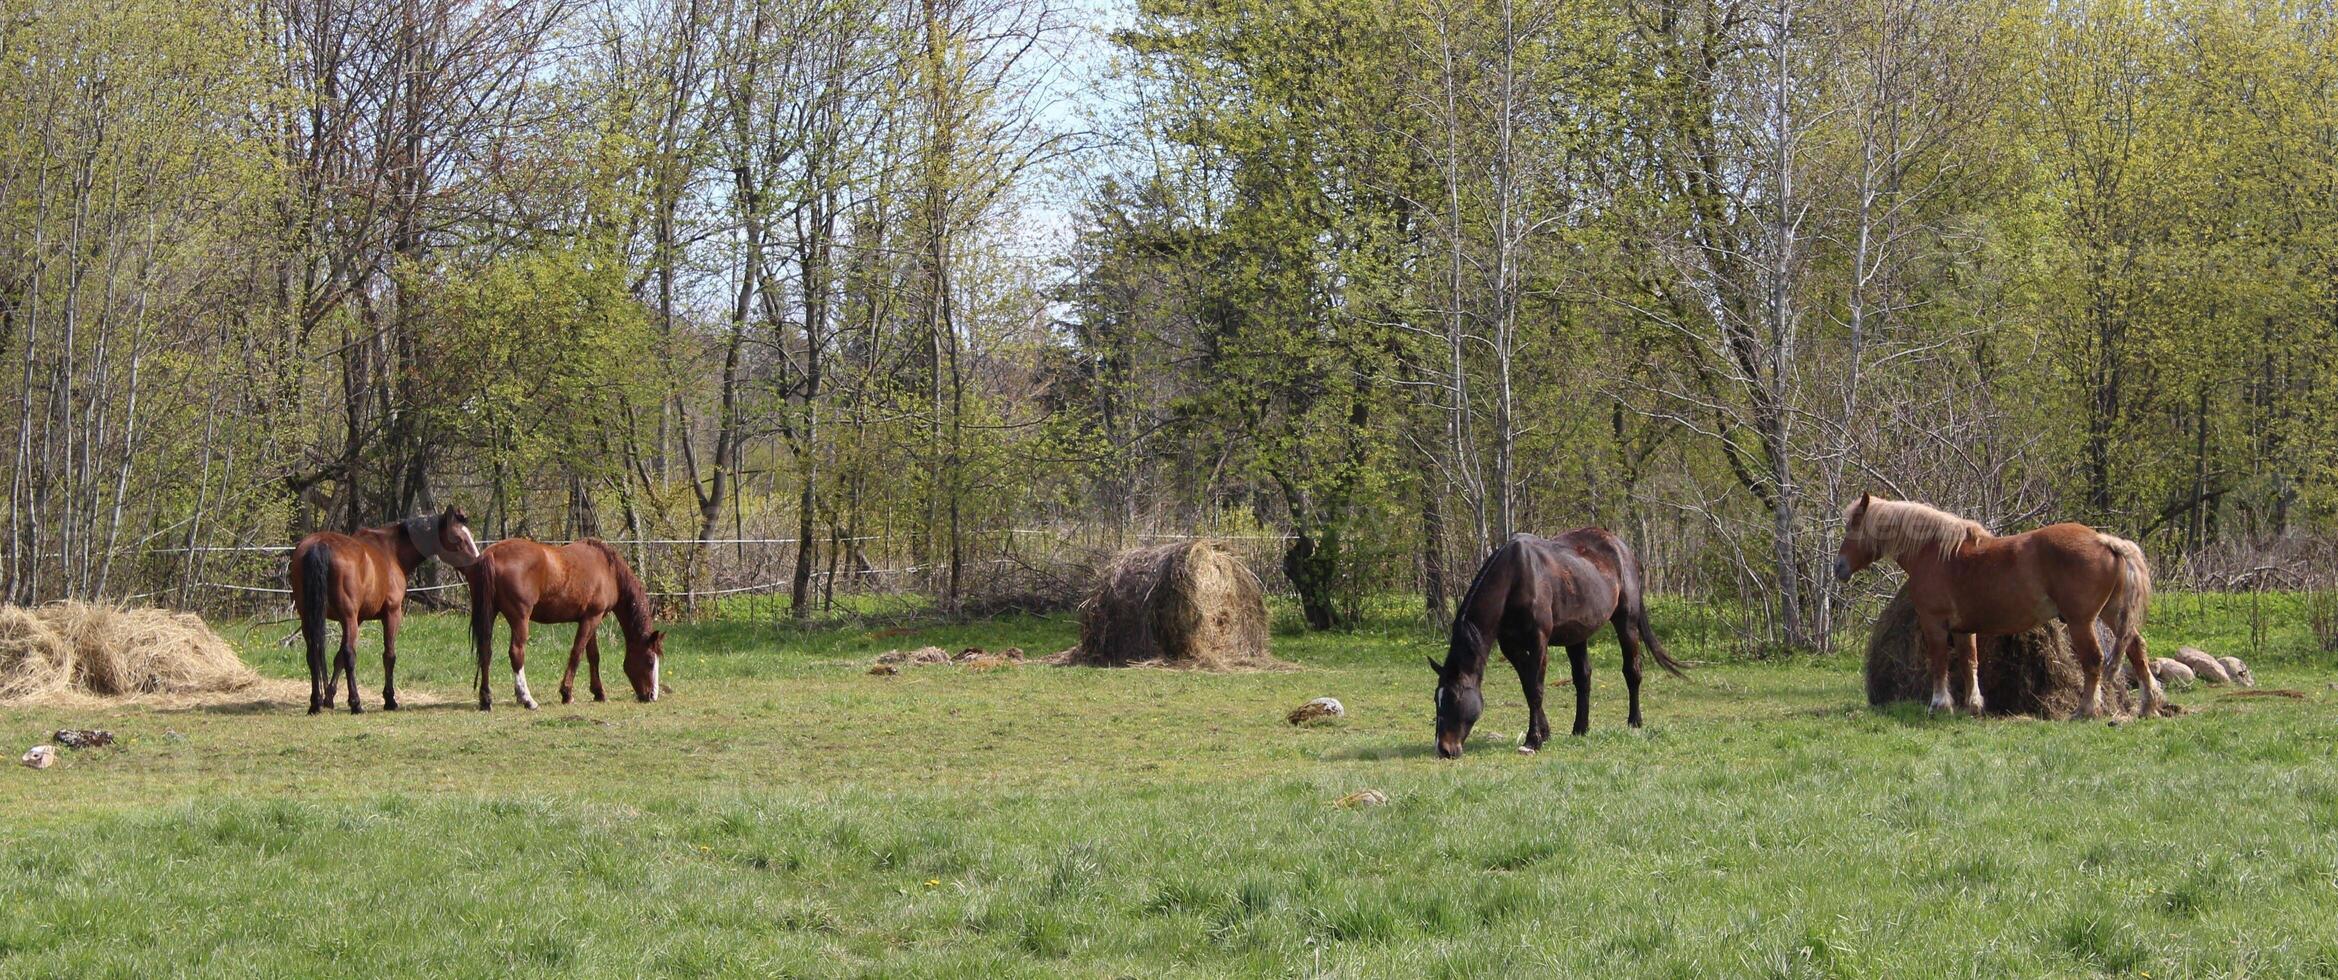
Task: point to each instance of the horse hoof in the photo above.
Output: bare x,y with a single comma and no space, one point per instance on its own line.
565,697
356,709
1527,750
530,705
598,696
315,710
389,705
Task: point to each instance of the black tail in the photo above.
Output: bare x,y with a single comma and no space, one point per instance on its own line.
1648,637
478,575
1639,600
316,582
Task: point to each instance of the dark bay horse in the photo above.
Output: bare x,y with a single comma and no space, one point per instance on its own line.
351,578
1531,593
1967,582
531,582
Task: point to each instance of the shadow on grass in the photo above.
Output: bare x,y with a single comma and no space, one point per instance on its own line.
1423,748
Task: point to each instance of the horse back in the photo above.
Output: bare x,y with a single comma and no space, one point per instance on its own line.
563,584
365,583
1566,586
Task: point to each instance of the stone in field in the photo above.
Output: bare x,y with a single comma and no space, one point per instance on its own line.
1316,710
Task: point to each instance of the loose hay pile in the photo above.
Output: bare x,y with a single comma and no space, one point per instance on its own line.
2030,674
70,650
1175,605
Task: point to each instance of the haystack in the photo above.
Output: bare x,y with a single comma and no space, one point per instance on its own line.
68,650
1187,604
2031,674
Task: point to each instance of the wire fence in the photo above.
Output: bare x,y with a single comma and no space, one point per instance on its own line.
1723,609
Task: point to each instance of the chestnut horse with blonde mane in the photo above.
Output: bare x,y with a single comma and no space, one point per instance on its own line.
1966,582
351,578
531,582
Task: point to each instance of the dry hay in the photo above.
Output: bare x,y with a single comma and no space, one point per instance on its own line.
2031,674
913,658
1187,604
74,651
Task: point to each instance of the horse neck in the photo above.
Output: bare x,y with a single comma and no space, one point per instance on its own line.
391,538
1460,666
632,607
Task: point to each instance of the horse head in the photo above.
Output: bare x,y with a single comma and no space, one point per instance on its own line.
1459,702
642,658
1859,548
445,536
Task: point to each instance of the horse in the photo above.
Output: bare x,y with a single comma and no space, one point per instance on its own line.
1966,582
1533,592
531,582
352,578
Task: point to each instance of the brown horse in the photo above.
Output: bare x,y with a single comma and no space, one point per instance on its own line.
528,581
1966,582
351,578
1530,593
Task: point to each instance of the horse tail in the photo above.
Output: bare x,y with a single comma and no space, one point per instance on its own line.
1639,613
480,576
2124,614
315,572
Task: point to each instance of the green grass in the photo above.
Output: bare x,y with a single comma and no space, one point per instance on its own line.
786,814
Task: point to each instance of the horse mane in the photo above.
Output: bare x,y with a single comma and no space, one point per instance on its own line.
632,600
1900,526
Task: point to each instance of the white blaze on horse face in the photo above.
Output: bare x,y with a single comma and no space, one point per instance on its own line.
656,686
465,544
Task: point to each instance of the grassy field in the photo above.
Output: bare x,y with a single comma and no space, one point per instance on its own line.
783,813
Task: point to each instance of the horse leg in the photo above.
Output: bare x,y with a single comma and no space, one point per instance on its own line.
317,701
482,641
1531,658
2089,654
1968,653
2139,661
519,661
576,649
1579,658
347,665
1936,661
389,659
593,656
1623,635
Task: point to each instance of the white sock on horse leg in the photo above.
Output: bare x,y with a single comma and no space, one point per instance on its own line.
519,686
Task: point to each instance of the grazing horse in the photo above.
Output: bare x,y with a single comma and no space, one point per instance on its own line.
1530,593
352,578
528,581
1966,582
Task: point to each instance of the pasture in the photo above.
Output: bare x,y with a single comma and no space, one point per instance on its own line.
784,813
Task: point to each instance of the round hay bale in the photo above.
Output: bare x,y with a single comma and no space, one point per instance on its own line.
2031,674
75,648
1186,604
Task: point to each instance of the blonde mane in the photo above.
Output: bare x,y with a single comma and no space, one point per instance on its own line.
1896,527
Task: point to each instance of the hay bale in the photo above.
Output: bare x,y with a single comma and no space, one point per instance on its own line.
2031,674
1187,604
69,649
35,663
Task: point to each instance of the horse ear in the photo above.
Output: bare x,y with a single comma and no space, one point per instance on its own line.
1434,665
1861,510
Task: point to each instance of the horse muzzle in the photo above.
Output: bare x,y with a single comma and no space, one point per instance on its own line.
1842,569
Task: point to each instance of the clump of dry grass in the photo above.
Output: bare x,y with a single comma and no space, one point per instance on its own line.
71,650
1187,604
